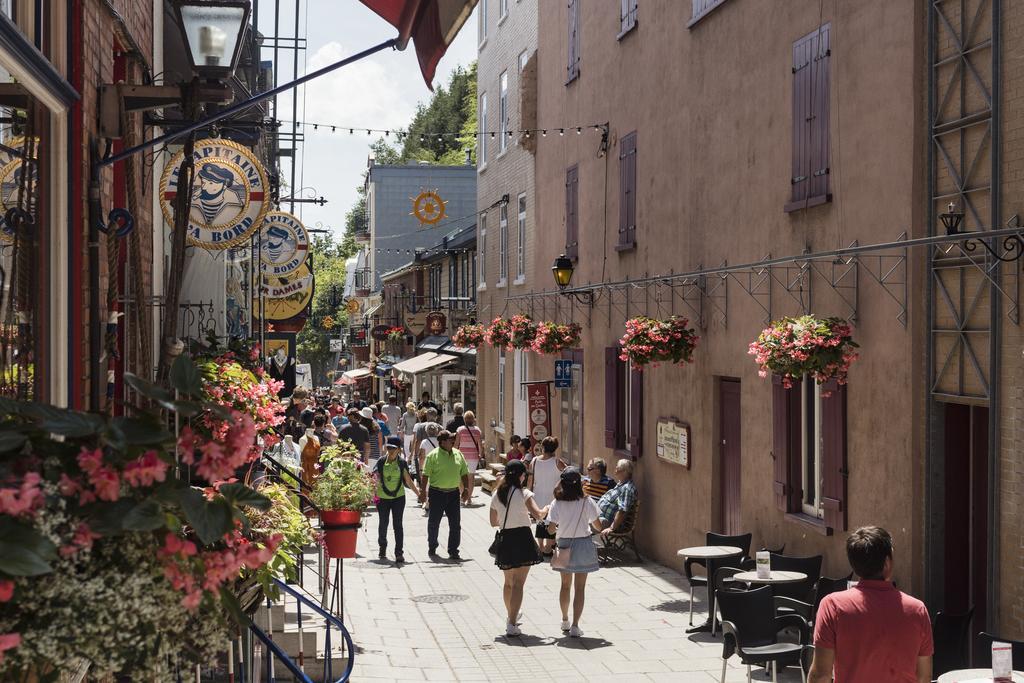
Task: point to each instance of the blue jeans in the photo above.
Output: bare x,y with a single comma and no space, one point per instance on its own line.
444,504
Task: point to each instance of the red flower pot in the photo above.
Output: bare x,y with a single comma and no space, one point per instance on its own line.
341,543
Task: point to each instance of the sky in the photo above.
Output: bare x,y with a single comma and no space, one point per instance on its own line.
380,91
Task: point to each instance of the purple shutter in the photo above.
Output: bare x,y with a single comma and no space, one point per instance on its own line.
627,190
819,126
627,15
785,442
572,230
636,413
833,456
612,394
573,66
802,68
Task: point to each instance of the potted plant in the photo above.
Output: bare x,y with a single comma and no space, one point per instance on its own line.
499,333
794,347
342,491
649,340
469,336
553,337
523,331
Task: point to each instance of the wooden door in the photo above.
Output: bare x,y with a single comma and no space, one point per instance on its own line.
729,455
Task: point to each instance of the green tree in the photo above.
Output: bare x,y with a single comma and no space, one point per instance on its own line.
312,343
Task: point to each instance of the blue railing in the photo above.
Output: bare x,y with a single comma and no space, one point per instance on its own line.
275,652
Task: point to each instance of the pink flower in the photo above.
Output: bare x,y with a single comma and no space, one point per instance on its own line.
192,599
8,641
106,483
146,470
90,460
82,540
23,500
6,590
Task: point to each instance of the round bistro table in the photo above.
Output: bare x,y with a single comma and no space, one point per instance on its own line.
776,576
711,554
975,676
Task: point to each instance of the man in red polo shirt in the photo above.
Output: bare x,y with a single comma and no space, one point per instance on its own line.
872,632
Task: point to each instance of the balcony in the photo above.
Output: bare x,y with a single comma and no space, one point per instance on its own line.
361,235
363,281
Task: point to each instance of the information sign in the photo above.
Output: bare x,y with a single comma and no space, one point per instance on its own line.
563,374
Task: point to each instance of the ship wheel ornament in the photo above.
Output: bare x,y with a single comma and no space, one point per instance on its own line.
428,207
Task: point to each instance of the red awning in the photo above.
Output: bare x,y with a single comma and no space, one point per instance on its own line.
432,25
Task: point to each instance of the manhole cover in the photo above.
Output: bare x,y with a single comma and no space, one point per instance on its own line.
440,598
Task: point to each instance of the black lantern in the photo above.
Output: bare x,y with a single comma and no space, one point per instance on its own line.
213,31
562,270
951,220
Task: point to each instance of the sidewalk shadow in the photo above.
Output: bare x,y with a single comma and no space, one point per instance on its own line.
582,643
525,640
704,637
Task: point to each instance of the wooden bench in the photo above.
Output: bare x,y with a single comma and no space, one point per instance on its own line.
496,468
624,537
488,482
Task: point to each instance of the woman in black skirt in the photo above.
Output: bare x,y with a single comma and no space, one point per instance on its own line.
511,509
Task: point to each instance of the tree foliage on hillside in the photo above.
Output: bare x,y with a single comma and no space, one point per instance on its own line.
312,343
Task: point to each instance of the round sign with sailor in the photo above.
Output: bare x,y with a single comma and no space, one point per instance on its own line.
285,244
228,195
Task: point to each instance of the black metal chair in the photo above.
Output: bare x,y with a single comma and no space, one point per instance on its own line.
751,630
742,542
984,650
774,551
806,657
809,610
800,590
724,582
949,634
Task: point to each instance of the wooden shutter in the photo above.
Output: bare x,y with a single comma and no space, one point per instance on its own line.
627,190
800,179
573,67
833,456
627,16
636,413
612,394
785,441
572,225
819,128
811,83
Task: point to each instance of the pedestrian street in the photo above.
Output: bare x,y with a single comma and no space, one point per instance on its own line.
444,621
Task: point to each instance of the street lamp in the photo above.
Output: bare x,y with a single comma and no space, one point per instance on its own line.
951,220
213,31
563,269
1012,246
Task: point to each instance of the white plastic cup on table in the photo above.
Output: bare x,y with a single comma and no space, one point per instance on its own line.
764,564
850,584
1002,662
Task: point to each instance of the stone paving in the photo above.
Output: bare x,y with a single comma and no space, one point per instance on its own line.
438,620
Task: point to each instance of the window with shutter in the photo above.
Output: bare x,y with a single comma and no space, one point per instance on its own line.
612,397
811,85
833,461
636,412
627,191
785,441
627,17
572,229
701,8
573,67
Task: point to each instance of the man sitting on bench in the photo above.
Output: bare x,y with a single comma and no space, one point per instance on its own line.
615,504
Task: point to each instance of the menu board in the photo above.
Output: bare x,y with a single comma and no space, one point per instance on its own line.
674,441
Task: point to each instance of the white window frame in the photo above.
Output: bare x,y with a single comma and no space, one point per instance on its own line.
810,447
524,57
502,244
503,112
482,251
521,240
482,24
501,388
482,160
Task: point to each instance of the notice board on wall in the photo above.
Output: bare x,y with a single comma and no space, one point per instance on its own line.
673,441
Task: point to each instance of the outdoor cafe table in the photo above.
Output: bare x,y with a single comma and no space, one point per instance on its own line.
975,676
776,576
711,554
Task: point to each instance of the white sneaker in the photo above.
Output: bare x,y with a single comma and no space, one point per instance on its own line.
565,625
575,632
512,630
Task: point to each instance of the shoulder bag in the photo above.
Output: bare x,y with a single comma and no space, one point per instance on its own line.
481,463
496,543
563,556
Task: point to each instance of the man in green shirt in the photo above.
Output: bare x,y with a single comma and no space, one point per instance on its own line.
392,477
444,470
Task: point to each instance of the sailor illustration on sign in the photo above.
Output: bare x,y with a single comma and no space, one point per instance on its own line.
214,201
280,246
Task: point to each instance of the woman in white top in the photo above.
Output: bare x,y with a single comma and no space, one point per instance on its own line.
545,469
511,508
574,514
405,428
469,440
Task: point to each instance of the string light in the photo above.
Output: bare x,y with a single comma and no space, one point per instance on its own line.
441,135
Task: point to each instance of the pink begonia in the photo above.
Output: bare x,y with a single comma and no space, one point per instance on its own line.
187,445
7,642
146,470
23,500
106,483
175,545
82,540
6,590
192,599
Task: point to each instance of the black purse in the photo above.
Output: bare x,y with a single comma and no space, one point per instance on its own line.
496,543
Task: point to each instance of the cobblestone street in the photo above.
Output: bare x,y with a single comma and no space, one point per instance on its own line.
444,621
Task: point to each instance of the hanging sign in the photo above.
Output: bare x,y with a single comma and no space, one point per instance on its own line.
336,345
280,287
563,374
380,332
228,195
428,207
416,322
285,298
437,323
11,171
538,405
285,244
674,441
353,306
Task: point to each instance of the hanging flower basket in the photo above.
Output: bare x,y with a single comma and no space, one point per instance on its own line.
499,333
469,336
795,347
396,334
524,330
649,340
553,338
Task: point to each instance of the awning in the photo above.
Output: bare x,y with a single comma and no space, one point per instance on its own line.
433,343
422,363
353,376
372,310
383,369
466,351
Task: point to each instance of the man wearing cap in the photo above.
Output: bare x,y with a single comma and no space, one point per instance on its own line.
392,477
213,204
444,470
356,433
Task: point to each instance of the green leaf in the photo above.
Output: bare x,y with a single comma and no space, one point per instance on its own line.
185,376
147,388
187,408
230,602
109,518
71,423
10,441
240,494
211,519
146,516
23,550
141,431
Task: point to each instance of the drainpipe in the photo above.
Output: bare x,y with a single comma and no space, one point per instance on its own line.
95,319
